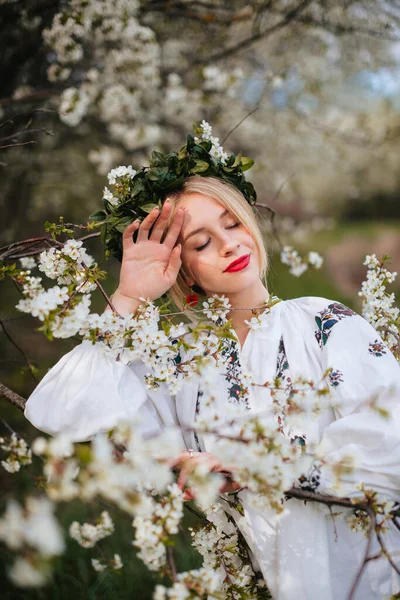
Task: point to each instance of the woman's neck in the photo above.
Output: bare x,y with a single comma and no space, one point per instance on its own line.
245,300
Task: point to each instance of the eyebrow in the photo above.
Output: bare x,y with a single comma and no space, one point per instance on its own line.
223,214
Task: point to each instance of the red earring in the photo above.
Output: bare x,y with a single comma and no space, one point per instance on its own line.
192,299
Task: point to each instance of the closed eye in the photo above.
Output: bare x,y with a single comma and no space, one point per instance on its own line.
203,246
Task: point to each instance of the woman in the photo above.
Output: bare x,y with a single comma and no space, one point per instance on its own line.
207,235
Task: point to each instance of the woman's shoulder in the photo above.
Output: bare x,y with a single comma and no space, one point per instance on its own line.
317,313
317,307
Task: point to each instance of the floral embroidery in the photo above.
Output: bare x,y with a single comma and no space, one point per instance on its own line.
281,395
335,377
327,319
282,363
377,348
237,391
311,480
196,437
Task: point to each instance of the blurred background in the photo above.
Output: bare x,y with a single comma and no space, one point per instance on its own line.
311,90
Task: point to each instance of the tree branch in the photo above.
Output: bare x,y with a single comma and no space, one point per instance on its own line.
290,16
13,397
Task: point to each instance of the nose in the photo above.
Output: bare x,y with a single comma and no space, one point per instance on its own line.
228,245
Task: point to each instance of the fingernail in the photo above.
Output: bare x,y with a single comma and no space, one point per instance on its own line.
155,208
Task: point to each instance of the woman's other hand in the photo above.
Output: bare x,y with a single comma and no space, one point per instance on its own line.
149,266
186,462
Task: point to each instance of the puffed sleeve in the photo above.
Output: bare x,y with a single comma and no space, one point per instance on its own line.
365,379
87,392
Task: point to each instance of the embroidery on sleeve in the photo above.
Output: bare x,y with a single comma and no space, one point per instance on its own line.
335,377
377,348
311,481
327,319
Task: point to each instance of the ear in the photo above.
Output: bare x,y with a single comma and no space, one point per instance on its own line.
188,280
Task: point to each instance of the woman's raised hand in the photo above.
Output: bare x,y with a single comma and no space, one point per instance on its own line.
149,266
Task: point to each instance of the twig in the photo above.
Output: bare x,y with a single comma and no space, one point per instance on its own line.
105,296
10,429
171,562
25,131
13,397
360,571
20,350
195,512
19,144
236,126
385,550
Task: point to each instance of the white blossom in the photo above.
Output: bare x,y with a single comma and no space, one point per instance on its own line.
27,262
87,535
24,574
19,453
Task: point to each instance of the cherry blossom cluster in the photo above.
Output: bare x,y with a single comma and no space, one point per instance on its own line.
152,533
359,520
266,462
198,583
224,551
60,467
216,149
19,453
114,564
63,310
68,264
119,61
297,264
121,64
378,307
35,534
87,535
217,308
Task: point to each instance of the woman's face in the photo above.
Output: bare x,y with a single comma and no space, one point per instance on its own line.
212,239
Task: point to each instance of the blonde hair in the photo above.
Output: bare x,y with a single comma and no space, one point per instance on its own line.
230,198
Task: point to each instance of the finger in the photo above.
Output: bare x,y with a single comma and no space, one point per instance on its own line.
188,495
127,236
172,462
175,228
147,224
185,473
229,486
159,227
175,262
190,465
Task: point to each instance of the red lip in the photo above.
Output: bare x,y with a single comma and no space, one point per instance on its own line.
238,264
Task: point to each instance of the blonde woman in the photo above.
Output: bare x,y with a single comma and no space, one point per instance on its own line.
206,235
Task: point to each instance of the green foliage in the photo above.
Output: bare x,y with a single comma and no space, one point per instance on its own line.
56,230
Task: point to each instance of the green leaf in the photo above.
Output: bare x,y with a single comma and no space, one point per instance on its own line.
103,233
200,167
147,208
100,215
246,163
123,223
237,160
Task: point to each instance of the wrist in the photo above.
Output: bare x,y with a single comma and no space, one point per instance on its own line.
124,304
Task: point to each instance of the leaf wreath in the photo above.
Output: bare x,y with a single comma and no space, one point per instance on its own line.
137,195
